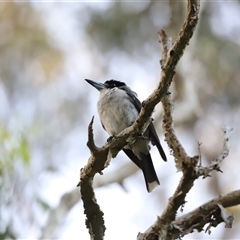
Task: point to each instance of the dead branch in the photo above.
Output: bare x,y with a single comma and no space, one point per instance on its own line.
215,164
208,213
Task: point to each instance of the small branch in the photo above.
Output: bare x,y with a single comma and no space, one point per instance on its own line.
205,171
179,153
166,46
90,143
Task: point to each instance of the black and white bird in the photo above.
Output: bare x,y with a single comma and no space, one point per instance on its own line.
118,107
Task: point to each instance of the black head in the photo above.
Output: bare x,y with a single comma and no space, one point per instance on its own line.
114,83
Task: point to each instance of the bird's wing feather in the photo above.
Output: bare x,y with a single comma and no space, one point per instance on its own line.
133,97
103,126
155,141
152,132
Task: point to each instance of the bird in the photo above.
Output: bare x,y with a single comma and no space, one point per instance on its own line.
118,107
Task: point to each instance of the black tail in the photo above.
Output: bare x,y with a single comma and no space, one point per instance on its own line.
149,172
133,157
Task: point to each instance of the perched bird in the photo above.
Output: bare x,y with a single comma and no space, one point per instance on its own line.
118,107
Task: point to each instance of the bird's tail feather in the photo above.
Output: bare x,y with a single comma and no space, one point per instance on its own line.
133,157
161,151
149,172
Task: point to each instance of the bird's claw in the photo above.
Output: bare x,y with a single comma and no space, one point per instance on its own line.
110,138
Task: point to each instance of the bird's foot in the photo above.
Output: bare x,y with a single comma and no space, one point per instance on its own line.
110,138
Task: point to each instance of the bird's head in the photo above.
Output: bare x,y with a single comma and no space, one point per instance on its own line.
109,84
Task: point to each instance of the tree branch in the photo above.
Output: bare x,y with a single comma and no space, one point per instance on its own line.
206,213
99,156
183,161
204,171
163,227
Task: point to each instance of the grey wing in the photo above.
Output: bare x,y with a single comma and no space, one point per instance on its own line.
155,141
152,132
133,98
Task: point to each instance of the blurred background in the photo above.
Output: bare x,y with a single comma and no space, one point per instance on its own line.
46,52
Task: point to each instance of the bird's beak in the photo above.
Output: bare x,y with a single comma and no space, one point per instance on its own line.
98,86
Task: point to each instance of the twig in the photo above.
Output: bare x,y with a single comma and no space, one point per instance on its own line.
205,171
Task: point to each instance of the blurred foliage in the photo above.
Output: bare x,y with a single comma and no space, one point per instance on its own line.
14,155
220,58
127,26
116,28
7,234
25,49
27,59
13,148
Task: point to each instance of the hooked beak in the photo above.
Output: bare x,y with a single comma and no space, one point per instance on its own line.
98,86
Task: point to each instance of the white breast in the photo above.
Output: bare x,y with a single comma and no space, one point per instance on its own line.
115,110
